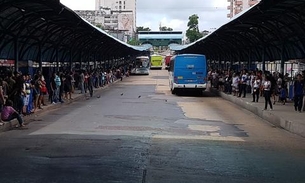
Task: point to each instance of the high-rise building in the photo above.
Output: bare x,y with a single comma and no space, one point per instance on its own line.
237,6
119,14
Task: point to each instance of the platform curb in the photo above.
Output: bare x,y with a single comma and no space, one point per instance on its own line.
293,127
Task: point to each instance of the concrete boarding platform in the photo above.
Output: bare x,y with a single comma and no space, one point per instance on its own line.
6,126
282,116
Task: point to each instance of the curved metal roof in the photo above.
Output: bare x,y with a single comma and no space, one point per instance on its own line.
50,27
273,28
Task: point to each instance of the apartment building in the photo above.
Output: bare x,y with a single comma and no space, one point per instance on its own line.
237,6
119,14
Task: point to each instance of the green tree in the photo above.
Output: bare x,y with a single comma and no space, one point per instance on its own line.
192,32
134,41
99,26
164,28
141,28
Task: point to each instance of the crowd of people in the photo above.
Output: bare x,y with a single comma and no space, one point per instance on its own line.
22,94
273,87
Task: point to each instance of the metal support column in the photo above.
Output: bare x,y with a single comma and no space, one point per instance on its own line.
57,60
239,62
81,61
263,60
40,58
249,60
16,53
108,64
88,61
219,63
283,59
70,61
95,62
231,63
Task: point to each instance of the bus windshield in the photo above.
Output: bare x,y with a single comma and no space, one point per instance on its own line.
142,62
190,62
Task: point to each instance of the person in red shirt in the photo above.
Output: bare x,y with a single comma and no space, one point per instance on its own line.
9,113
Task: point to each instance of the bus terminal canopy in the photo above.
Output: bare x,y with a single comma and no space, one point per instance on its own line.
47,31
271,30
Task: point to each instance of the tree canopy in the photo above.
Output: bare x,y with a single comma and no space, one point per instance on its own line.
193,32
164,28
134,42
141,28
99,26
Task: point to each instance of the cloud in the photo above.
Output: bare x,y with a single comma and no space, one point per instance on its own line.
175,24
175,13
79,4
171,13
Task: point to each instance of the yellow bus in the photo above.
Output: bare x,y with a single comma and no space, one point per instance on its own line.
156,62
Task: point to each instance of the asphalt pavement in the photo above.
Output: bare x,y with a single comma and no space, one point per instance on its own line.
137,131
282,116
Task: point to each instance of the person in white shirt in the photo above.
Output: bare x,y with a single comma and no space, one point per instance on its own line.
267,93
235,84
256,88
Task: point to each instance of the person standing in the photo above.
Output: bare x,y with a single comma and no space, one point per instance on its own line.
10,85
267,92
61,87
43,90
298,93
243,86
57,87
303,75
283,95
86,75
256,87
19,94
26,99
82,82
235,84
68,86
2,99
90,84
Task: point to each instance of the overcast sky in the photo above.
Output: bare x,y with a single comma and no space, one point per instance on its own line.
171,13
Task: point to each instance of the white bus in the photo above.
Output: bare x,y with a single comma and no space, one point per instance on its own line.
141,66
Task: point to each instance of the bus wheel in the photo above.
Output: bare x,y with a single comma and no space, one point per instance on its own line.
173,91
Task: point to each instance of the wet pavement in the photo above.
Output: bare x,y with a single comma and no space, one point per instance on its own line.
136,131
